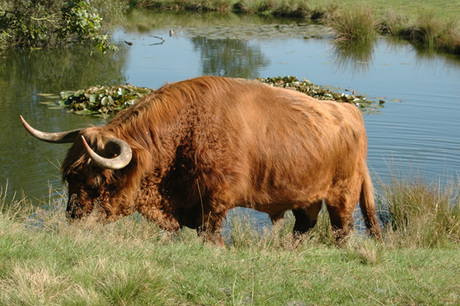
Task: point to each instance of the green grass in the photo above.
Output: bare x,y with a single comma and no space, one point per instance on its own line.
441,9
45,261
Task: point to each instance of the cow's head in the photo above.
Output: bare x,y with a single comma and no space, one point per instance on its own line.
96,169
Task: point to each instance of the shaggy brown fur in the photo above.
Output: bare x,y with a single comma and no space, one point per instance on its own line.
209,144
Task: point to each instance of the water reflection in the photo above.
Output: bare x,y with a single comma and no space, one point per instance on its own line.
350,55
230,57
146,20
26,163
56,70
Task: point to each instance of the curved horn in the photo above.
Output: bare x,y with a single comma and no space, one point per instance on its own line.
60,137
119,162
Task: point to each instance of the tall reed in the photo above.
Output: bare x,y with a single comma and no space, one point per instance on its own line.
417,213
254,6
393,23
356,24
292,8
434,34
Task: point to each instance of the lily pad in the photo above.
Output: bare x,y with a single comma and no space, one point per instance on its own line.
92,98
48,95
66,94
85,112
48,103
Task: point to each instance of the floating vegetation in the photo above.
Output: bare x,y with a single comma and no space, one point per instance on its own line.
322,93
106,101
256,31
102,101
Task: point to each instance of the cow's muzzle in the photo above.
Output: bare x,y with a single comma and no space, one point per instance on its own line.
74,210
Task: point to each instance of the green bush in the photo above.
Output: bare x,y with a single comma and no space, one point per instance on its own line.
51,24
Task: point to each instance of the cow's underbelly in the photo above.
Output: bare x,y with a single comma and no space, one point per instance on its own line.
277,202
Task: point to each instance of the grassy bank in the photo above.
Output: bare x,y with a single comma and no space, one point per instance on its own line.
46,261
429,24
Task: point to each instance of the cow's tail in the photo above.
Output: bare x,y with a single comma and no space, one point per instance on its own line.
367,204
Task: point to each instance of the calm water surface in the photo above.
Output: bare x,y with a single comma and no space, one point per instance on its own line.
417,130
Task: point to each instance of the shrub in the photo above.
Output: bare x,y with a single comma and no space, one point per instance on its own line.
81,23
51,24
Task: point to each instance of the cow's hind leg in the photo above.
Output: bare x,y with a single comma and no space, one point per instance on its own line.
341,203
341,221
306,218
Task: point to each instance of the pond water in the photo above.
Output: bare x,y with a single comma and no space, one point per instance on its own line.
417,130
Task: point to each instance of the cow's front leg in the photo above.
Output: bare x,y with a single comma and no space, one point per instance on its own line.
210,228
163,219
159,212
155,207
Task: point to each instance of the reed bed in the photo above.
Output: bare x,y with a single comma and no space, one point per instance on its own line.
417,213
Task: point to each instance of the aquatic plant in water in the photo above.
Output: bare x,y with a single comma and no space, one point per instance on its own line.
322,93
106,101
102,101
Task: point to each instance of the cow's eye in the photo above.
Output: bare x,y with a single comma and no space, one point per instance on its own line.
111,188
92,189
